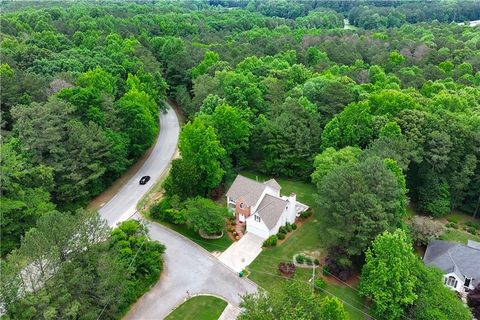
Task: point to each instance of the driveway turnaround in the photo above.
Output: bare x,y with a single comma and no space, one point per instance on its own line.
188,270
123,205
241,253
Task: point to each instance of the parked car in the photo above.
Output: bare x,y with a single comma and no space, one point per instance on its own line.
144,179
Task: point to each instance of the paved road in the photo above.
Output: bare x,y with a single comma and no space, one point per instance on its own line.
122,205
187,267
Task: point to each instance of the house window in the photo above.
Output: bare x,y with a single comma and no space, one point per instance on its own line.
467,282
451,281
257,218
242,205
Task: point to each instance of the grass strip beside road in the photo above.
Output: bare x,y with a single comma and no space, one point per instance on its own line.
199,308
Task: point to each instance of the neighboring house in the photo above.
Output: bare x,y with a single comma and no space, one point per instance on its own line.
460,263
261,206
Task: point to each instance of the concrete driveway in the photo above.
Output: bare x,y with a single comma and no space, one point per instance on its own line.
241,253
187,267
123,205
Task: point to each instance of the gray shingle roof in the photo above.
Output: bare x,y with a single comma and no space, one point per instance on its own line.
273,184
250,189
271,209
463,260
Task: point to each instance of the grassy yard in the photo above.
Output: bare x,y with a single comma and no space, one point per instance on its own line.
458,236
210,245
305,238
199,308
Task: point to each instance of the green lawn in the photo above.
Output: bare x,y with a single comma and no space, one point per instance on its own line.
459,236
308,237
211,245
199,308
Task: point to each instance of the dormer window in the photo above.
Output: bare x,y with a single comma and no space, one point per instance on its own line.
467,282
257,218
242,205
451,282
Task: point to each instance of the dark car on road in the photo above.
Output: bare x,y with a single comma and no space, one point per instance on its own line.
144,179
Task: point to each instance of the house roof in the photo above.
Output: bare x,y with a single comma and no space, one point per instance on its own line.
249,189
463,260
273,184
271,209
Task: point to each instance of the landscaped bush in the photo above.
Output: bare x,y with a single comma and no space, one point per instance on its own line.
453,219
288,226
281,236
294,226
168,209
452,225
319,284
472,230
300,259
306,214
317,262
286,268
282,230
309,261
271,241
473,224
233,223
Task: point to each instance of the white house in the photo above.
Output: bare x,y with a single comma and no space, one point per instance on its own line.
261,206
460,263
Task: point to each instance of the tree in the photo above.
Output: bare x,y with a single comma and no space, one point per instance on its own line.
388,276
184,180
25,195
139,114
424,229
200,148
360,201
330,159
203,215
435,301
292,300
293,138
232,129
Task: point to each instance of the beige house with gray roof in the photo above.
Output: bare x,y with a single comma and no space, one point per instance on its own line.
261,205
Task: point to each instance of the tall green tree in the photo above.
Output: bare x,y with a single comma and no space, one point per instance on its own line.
388,276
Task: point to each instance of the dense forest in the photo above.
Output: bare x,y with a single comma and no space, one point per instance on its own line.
389,101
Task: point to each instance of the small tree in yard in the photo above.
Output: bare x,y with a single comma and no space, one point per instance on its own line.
424,229
203,215
389,275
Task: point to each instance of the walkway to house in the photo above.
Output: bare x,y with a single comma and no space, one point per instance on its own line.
239,227
241,253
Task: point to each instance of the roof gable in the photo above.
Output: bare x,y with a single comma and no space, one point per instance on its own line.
271,209
249,189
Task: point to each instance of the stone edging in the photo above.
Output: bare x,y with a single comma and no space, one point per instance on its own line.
303,265
206,236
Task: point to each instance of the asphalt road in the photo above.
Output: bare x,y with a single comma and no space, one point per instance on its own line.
187,267
123,205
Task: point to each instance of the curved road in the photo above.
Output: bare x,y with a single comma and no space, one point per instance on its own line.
187,265
123,205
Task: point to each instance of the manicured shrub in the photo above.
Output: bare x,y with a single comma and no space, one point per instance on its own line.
325,271
233,223
281,236
271,241
294,226
282,230
300,258
453,219
288,226
309,261
286,268
473,224
316,262
306,214
319,284
472,230
452,225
